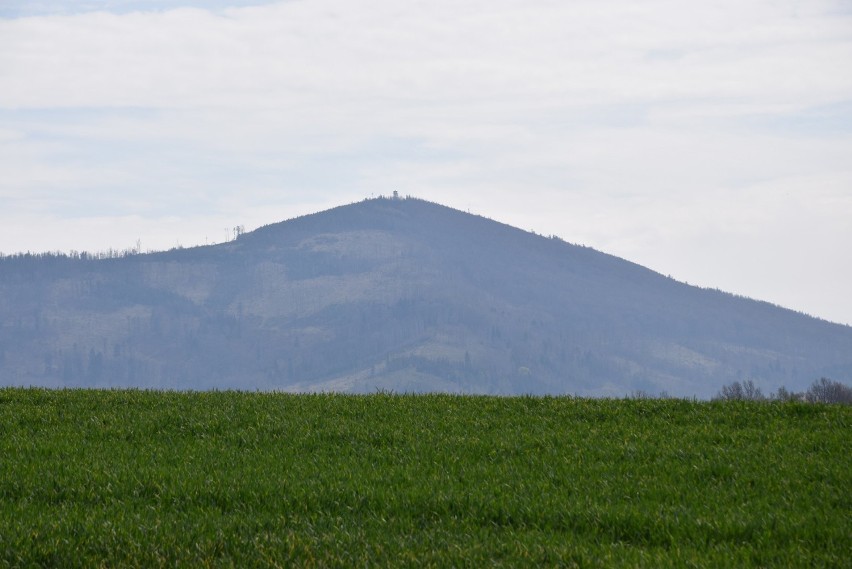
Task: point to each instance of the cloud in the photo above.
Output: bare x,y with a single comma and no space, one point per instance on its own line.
652,130
24,8
445,53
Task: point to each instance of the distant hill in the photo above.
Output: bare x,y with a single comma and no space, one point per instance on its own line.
395,294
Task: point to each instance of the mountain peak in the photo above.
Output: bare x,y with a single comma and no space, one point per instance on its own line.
402,294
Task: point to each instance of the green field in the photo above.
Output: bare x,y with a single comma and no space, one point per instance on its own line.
114,478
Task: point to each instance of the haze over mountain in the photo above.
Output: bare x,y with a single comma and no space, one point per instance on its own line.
395,294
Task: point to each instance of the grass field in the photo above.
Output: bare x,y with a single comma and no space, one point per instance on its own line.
113,478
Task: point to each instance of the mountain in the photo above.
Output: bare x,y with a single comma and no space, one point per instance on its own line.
395,294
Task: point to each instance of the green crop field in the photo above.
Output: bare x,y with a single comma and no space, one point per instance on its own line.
140,478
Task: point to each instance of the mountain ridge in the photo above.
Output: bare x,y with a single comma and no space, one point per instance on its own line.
398,294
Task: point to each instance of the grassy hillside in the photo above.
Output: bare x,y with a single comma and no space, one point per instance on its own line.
92,478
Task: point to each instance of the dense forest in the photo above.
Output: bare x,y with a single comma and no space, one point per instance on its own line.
394,294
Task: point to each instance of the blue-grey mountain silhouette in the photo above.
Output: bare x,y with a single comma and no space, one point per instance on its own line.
395,294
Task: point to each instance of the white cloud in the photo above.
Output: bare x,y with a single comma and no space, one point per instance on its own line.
652,130
437,52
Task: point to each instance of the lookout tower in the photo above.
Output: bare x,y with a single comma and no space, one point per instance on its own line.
395,195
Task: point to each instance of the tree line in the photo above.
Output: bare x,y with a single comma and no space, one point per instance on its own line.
823,390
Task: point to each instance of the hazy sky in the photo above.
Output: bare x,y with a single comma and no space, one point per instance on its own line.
711,141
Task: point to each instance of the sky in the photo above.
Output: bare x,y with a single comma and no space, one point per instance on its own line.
709,141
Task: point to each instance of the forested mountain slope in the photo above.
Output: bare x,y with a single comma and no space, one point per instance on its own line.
402,295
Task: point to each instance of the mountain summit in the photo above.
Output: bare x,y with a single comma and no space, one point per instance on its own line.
395,294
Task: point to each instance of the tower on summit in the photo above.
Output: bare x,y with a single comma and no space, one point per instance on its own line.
395,195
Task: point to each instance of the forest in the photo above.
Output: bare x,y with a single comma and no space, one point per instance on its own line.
395,294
